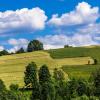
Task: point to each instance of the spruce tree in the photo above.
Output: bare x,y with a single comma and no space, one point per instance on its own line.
30,78
46,86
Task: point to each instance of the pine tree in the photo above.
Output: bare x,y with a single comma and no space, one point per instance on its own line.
30,78
46,86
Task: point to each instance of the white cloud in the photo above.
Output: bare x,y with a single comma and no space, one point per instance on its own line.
91,29
1,48
13,50
83,14
23,20
58,41
17,44
97,38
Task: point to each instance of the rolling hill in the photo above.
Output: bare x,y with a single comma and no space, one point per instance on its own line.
74,61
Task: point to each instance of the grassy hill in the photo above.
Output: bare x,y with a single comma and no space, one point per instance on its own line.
76,52
72,60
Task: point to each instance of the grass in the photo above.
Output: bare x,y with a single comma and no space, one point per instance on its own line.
12,67
78,71
76,52
75,70
73,60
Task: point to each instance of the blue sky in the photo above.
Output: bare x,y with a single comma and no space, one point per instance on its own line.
54,22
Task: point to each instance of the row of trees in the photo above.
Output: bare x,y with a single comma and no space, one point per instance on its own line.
54,87
33,45
41,85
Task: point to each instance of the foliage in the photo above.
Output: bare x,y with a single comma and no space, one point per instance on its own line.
34,46
60,86
4,52
53,87
81,88
66,46
21,50
71,88
30,78
84,97
14,87
5,94
8,95
46,86
58,75
44,75
2,86
96,81
95,62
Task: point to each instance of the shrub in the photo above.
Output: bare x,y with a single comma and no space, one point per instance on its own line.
14,87
2,86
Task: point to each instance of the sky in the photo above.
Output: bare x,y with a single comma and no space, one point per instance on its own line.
54,22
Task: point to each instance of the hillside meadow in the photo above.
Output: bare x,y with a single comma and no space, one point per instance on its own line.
73,61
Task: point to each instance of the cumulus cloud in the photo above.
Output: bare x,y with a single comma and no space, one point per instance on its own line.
17,44
83,14
90,28
1,48
58,41
23,20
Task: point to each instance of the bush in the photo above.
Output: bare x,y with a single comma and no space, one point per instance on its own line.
96,82
14,87
4,52
21,50
81,87
84,97
34,46
2,86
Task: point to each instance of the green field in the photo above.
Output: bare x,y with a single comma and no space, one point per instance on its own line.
83,71
73,60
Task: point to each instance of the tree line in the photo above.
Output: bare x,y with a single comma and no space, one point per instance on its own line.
33,45
55,87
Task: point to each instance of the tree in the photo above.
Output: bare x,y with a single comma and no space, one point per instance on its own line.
44,75
14,87
71,88
4,52
21,50
84,97
58,75
95,61
2,86
46,86
8,95
34,46
30,78
96,81
81,87
66,46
